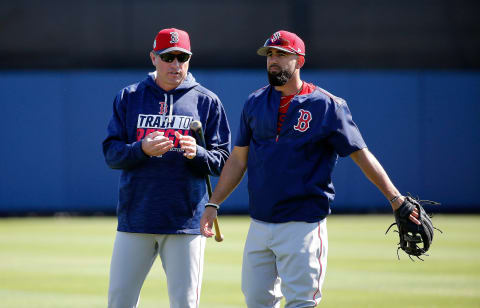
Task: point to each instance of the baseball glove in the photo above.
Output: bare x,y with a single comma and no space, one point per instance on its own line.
415,239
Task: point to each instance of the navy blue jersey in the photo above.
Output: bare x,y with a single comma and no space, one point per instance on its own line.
290,177
167,194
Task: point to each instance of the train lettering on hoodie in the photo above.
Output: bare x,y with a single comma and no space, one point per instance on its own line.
162,121
148,123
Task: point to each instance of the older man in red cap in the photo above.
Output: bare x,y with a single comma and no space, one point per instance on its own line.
162,190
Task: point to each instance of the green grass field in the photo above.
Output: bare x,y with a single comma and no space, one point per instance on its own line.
64,262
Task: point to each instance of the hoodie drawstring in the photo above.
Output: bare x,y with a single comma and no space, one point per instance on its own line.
170,115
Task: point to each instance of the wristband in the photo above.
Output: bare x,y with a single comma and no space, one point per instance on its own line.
395,198
216,206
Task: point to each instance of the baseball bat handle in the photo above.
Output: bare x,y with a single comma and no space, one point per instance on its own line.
218,234
196,126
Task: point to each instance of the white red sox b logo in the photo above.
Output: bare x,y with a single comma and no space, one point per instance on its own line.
303,120
163,108
174,37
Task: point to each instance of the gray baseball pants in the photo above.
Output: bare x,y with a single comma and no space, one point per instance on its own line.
133,256
284,259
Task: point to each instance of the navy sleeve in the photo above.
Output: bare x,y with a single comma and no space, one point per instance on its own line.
345,136
244,134
119,154
217,139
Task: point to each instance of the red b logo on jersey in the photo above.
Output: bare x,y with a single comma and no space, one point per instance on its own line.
163,108
303,121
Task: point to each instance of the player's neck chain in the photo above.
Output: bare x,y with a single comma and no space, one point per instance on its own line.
292,97
285,104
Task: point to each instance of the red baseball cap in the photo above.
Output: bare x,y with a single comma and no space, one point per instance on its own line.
283,40
171,40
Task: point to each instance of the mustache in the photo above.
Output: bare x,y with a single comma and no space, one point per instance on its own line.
274,65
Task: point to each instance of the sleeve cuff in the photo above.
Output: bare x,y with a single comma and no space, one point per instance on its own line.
201,156
200,159
138,152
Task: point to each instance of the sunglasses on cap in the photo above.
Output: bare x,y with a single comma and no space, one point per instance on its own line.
280,42
169,57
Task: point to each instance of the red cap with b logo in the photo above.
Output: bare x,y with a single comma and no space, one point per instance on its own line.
283,40
171,40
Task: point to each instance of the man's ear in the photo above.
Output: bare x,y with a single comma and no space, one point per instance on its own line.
300,62
152,57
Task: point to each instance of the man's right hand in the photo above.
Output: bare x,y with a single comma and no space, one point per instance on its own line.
156,144
206,222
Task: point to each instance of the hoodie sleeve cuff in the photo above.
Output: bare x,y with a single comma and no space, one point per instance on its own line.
137,150
200,158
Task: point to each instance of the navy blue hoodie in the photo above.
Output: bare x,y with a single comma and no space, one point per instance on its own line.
167,194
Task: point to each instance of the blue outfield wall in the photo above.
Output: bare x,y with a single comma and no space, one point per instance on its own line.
423,126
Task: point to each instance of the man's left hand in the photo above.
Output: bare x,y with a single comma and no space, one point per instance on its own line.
188,144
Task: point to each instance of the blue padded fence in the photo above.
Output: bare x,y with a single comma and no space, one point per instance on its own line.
423,126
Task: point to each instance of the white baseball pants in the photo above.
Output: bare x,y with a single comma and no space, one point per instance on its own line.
133,256
284,259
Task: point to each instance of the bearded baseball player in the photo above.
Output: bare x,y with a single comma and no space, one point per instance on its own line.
291,134
162,189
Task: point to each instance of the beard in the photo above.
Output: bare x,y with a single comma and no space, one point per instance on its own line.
279,78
